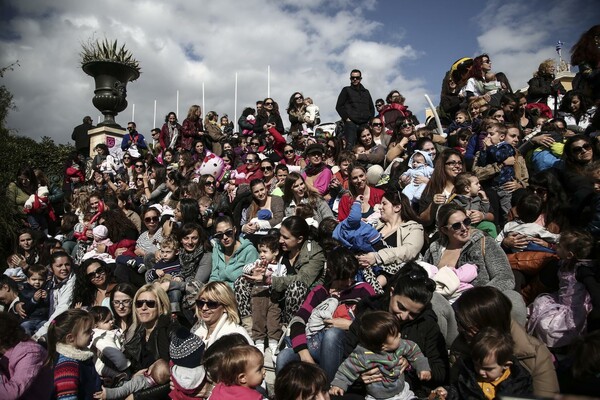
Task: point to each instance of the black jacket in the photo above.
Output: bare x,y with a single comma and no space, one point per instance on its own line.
518,383
156,347
423,330
34,309
355,102
80,136
541,87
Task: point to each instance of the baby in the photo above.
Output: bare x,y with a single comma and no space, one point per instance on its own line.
491,85
157,374
100,237
461,120
359,149
312,116
420,165
110,361
451,282
469,195
35,299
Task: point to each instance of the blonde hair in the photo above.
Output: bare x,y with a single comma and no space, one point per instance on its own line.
221,293
170,241
544,67
162,301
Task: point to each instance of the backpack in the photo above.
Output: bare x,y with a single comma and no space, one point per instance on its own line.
552,322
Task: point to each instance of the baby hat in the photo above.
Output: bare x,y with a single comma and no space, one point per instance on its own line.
186,349
100,232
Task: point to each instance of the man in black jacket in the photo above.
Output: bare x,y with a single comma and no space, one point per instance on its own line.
81,138
355,106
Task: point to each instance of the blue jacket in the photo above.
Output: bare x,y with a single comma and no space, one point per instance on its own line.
355,234
137,138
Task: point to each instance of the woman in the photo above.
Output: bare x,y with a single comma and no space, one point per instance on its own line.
295,192
26,253
577,112
152,327
441,185
543,85
586,55
449,100
268,117
525,121
121,304
125,205
191,129
217,314
378,134
296,110
359,187
458,245
18,193
291,159
476,78
25,373
214,135
402,139
268,169
230,254
155,185
486,306
497,114
170,133
317,174
325,347
304,260
265,211
408,297
402,238
60,288
374,153
199,152
186,211
93,284
195,255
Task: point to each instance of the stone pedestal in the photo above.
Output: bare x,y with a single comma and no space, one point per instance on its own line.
110,136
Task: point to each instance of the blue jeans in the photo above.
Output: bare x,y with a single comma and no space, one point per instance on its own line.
31,326
350,132
326,348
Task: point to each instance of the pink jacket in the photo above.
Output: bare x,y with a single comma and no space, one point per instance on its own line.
223,392
23,374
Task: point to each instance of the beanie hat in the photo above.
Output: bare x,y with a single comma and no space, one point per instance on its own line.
186,349
100,232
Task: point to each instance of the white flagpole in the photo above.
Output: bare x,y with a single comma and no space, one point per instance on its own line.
98,119
268,81
177,105
133,113
154,123
235,98
203,109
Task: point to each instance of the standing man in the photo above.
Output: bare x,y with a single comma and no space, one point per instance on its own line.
81,138
355,106
133,142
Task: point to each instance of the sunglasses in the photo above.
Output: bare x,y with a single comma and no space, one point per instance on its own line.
148,303
221,235
298,97
121,303
458,225
289,151
211,305
268,104
126,158
255,144
99,271
376,124
581,149
355,78
407,125
266,168
139,166
209,183
150,219
251,161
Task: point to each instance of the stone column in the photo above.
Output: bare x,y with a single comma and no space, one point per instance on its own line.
110,136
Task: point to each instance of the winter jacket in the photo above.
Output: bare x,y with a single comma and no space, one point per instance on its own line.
229,271
355,234
494,268
34,309
355,102
234,392
156,347
262,119
308,268
470,203
165,138
60,295
74,374
409,242
189,133
541,87
322,209
346,202
224,327
216,135
23,373
130,139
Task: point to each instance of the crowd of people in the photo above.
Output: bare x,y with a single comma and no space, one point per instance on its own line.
382,258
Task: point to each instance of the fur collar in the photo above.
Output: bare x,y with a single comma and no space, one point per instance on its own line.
72,352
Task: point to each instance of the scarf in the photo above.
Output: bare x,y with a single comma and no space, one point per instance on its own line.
174,134
189,262
312,170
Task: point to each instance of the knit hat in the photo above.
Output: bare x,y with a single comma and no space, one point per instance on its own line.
186,349
100,232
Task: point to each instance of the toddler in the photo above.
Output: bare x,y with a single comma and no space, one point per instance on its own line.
166,272
491,85
156,374
359,149
468,194
266,313
420,164
110,361
382,346
35,299
451,282
100,237
312,115
528,210
187,372
461,121
491,372
241,370
559,318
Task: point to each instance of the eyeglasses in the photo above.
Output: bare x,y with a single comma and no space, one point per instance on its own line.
355,78
376,124
269,168
289,151
150,219
221,235
254,143
211,305
209,183
458,225
126,158
268,104
122,303
581,149
407,125
148,303
251,161
139,166
99,271
454,163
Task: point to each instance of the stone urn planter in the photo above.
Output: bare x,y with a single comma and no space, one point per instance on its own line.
112,68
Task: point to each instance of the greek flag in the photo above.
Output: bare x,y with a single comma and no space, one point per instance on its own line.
559,46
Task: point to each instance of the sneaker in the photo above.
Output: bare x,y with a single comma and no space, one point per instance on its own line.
274,351
131,263
260,344
142,268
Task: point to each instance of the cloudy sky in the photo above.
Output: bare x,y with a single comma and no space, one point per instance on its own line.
310,47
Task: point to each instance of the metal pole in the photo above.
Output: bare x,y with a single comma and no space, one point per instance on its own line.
177,104
133,113
235,98
268,81
154,123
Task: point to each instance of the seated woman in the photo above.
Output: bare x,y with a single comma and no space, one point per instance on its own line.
374,153
458,245
324,342
317,174
294,161
94,283
265,211
295,192
358,186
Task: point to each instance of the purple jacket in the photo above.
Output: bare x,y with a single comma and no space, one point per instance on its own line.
23,374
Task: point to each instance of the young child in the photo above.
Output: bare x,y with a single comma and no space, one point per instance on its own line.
461,121
241,370
155,375
468,194
100,237
492,371
35,299
69,336
559,318
107,346
359,149
451,282
496,162
166,272
491,85
420,164
187,372
312,115
460,140
528,210
266,313
382,346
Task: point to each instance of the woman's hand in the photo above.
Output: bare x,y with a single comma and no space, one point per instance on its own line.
420,179
404,180
515,240
374,374
439,199
101,248
257,274
340,323
438,394
249,228
306,357
509,161
542,140
366,260
18,260
120,251
511,186
539,241
425,375
476,216
336,391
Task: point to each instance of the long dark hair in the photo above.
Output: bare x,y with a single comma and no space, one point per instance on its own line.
84,291
11,332
297,227
129,290
341,265
483,306
571,162
398,198
413,282
556,200
438,180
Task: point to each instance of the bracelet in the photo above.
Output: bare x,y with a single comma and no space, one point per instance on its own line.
146,187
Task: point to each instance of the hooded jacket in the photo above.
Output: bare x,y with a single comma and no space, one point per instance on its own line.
229,271
308,268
